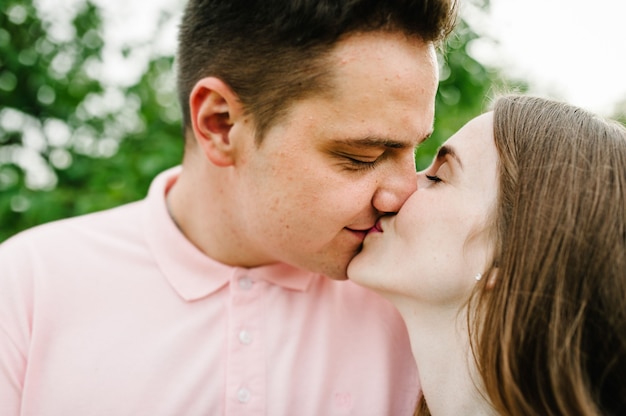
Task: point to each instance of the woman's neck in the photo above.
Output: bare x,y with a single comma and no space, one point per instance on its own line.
440,345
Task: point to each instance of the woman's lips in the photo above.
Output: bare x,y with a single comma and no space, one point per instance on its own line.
376,228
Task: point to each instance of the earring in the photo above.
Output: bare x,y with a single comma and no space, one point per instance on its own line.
478,276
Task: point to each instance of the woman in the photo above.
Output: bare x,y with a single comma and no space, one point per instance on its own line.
508,265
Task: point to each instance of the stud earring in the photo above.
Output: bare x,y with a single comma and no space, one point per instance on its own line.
478,276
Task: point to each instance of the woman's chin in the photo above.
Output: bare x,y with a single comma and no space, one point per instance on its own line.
361,270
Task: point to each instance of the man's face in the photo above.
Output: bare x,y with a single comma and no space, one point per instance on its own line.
322,176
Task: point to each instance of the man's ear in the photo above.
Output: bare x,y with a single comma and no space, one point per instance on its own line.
214,107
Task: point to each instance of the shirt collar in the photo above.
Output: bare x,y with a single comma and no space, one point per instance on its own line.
191,273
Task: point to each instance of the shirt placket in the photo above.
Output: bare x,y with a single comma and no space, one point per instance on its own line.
246,367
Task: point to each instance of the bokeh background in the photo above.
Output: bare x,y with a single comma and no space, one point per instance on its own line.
88,109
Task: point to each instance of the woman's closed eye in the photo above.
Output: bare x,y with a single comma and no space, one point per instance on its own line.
433,178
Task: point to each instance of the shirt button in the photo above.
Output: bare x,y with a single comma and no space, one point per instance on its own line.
245,283
243,395
245,337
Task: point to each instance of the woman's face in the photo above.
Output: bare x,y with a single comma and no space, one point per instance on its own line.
433,248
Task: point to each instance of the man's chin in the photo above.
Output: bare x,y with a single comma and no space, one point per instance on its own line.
335,272
332,265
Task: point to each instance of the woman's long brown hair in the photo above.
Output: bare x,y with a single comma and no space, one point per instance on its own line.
549,324
550,330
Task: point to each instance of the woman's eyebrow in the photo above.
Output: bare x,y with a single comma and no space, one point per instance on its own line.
447,150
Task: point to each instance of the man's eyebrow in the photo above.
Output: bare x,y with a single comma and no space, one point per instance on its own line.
445,151
371,141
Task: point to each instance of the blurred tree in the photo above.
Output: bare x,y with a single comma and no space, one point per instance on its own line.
71,144
466,86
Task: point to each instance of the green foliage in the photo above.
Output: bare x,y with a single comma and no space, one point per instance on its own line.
71,144
465,89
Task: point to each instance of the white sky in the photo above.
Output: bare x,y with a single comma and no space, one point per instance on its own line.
569,49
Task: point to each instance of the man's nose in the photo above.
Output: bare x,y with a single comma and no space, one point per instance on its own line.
395,189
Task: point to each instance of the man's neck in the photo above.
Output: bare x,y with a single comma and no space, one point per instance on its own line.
207,222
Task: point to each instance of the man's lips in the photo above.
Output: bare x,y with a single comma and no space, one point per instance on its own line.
361,234
376,228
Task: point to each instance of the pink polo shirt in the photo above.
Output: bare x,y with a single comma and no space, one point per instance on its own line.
116,313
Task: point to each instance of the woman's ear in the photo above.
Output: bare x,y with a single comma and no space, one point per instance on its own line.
491,279
214,107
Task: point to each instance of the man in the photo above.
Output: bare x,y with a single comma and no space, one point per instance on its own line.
301,119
